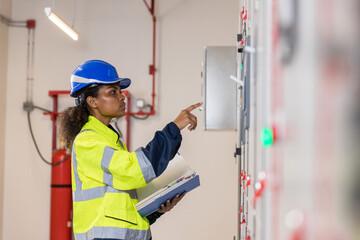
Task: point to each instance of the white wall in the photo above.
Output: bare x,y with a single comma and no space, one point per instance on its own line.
120,32
5,10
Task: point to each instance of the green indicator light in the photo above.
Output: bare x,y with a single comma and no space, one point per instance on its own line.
267,137
241,67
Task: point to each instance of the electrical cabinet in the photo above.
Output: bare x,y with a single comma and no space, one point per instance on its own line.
218,90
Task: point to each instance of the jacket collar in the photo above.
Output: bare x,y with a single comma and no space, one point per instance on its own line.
107,131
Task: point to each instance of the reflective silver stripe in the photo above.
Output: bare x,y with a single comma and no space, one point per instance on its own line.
99,192
108,177
89,194
145,165
79,79
78,183
132,193
114,233
105,164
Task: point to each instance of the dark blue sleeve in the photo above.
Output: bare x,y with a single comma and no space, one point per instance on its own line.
163,147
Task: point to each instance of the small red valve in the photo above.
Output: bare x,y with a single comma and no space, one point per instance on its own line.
241,210
244,176
241,174
259,187
30,23
151,70
242,42
242,222
248,182
245,17
248,236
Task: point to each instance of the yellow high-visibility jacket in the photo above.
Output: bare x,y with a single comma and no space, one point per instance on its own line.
105,177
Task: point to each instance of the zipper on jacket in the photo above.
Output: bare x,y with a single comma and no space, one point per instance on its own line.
121,220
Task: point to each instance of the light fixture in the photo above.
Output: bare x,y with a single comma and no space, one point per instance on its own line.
61,24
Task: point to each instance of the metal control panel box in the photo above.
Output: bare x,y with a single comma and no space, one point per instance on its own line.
218,90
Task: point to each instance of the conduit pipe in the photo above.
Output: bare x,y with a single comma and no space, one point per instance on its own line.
30,25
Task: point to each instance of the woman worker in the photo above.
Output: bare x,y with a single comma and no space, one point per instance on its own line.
105,175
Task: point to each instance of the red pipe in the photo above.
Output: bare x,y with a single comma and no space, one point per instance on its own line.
154,50
53,119
148,7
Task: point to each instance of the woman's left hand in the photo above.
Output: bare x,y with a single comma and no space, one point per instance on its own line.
170,204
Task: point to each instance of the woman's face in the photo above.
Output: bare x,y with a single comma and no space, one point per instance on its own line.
109,103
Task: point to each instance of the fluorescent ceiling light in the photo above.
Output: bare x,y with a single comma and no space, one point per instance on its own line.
61,24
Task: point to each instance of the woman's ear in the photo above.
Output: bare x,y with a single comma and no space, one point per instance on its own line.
91,102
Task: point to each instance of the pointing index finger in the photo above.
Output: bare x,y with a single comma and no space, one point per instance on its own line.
194,106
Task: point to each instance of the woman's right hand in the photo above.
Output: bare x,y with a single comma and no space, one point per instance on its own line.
187,118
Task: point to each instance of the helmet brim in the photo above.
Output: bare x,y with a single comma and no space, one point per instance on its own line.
124,83
77,86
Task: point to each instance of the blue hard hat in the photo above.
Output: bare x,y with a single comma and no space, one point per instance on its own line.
95,71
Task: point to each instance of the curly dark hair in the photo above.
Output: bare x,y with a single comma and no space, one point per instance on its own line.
73,119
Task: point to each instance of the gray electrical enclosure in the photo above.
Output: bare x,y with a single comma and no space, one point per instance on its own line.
219,91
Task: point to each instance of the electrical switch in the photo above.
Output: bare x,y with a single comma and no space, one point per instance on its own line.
140,103
268,136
